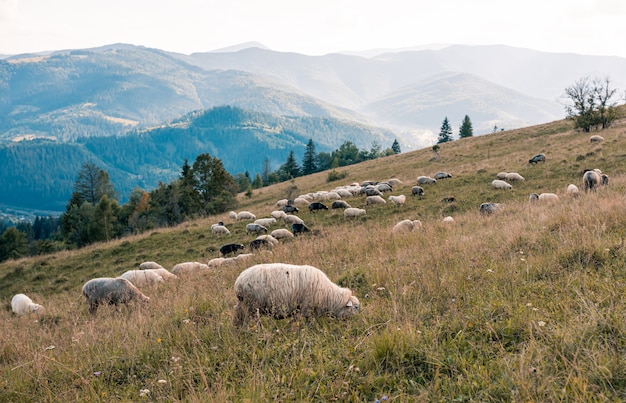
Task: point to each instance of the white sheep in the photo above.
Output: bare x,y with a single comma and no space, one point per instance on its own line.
596,139
594,178
395,182
426,180
514,177
266,222
500,184
501,175
406,226
344,193
448,220
149,266
292,219
245,215
256,228
374,200
282,233
281,290
269,238
111,291
353,212
489,208
278,214
232,215
22,304
397,200
188,267
165,274
143,278
220,230
544,197
572,190
301,201
282,203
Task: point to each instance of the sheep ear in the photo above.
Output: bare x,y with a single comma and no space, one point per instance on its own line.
349,303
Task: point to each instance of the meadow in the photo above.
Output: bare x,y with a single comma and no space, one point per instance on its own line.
524,305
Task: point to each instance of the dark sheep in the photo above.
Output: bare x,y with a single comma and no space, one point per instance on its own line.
537,158
290,209
417,191
317,206
489,208
260,243
230,248
299,228
339,204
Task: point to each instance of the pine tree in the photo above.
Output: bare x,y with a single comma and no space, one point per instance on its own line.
290,169
445,134
92,184
466,129
309,162
396,147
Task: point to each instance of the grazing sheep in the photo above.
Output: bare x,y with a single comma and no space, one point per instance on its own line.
332,196
596,139
384,187
442,175
290,209
500,184
300,201
165,274
245,215
282,203
282,290
489,208
266,222
149,266
594,178
143,278
297,228
232,215
544,197
370,191
188,267
353,212
260,243
231,248
417,191
397,200
278,214
572,190
292,219
448,219
111,291
340,204
22,304
406,226
513,177
374,200
282,233
256,228
344,193
220,230
501,175
395,182
537,158
269,238
426,180
317,206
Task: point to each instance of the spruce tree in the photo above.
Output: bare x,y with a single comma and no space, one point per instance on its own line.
309,163
290,169
466,129
396,147
445,134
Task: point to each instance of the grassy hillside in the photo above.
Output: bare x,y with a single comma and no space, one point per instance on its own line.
523,305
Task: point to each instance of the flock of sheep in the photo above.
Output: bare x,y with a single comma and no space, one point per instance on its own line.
280,289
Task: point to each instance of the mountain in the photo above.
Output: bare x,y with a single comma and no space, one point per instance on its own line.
39,174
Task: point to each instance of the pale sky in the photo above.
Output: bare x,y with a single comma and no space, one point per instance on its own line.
591,27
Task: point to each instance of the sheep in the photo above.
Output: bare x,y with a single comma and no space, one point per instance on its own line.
149,266
544,197
292,219
384,187
282,203
317,206
500,184
442,175
300,201
332,196
397,200
417,191
448,220
594,178
501,175
256,228
111,291
143,278
278,214
299,228
220,230
340,204
245,215
290,209
232,215
406,226
282,233
282,290
395,182
188,267
537,158
266,222
489,208
353,212
260,243
572,190
370,191
231,248
513,177
344,193
426,180
269,238
22,304
596,139
165,274
374,200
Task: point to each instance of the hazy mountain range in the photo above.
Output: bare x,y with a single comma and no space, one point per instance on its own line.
65,97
